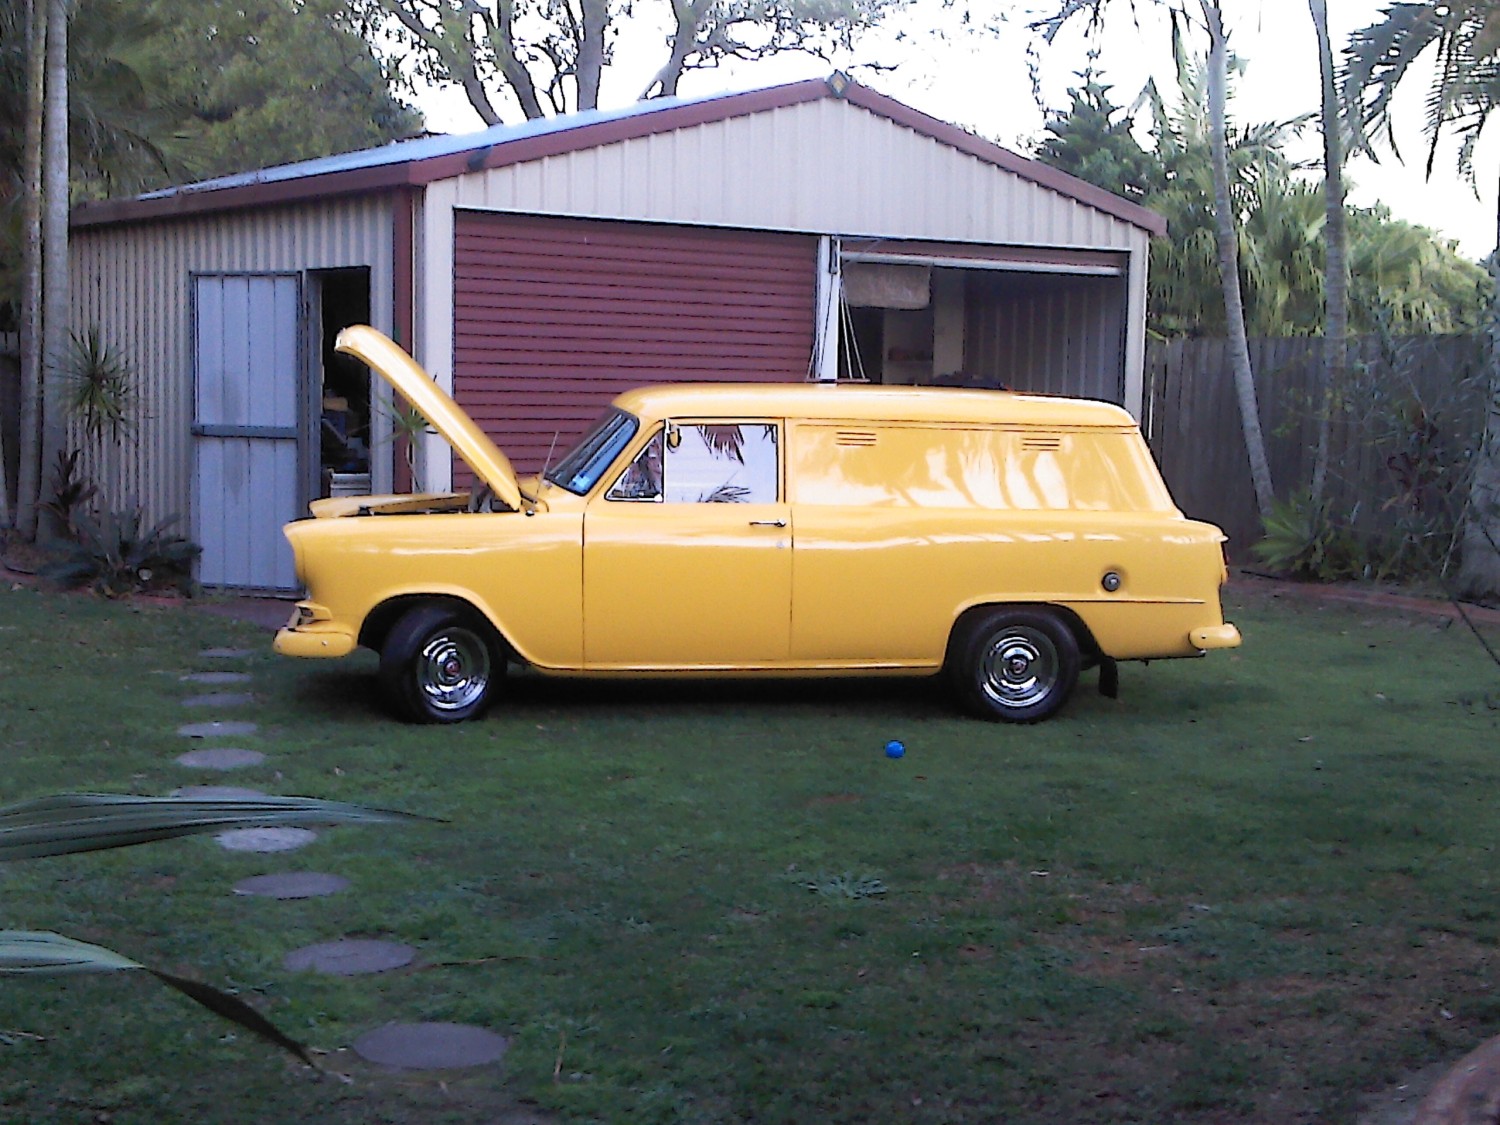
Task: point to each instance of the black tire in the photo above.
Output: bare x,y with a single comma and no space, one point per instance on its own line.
440,664
1015,665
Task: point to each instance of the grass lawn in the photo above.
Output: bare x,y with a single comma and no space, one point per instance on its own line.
1250,889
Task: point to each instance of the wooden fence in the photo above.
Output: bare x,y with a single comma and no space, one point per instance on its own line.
1411,411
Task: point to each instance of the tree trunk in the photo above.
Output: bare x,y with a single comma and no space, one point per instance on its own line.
590,67
663,84
1335,254
1479,572
54,248
502,42
28,477
1229,262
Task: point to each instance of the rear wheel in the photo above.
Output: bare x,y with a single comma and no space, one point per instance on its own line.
1015,665
440,664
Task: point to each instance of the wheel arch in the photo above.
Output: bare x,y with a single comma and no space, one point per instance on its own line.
379,622
1088,647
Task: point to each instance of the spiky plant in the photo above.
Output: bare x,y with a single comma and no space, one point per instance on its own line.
82,822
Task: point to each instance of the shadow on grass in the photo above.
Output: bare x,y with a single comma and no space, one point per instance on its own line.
349,693
354,693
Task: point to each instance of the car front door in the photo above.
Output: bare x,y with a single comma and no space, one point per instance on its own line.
687,557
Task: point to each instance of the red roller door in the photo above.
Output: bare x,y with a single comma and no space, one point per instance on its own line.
554,317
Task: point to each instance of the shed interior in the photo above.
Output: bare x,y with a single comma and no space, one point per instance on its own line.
342,298
957,326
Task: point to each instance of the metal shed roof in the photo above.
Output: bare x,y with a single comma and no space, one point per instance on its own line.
419,162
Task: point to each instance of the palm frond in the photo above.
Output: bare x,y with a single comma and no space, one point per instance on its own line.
726,442
1376,60
83,822
1465,86
31,952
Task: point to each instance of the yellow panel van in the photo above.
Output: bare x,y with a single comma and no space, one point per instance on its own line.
1005,541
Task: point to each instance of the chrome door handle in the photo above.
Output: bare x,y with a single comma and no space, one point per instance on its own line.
768,523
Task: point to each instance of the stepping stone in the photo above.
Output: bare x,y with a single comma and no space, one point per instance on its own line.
292,884
227,653
431,1046
220,758
265,840
216,678
216,729
213,792
350,957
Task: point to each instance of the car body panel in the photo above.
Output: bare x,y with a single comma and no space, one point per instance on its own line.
403,373
525,574
687,586
864,524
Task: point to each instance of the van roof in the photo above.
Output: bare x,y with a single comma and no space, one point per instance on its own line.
861,402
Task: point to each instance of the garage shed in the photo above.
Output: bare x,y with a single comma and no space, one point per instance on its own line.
811,231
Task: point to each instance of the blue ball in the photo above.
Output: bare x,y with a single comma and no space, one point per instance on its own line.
895,748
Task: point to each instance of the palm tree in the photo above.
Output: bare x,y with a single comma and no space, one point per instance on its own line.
1465,88
1403,278
54,302
1209,15
34,101
1335,246
1276,238
1409,282
100,135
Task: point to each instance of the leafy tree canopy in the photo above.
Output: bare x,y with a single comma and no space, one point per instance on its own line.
1092,140
264,82
175,90
1402,276
185,89
537,58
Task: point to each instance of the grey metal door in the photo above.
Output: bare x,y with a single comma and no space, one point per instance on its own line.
248,432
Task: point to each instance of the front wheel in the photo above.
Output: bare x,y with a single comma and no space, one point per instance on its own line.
1016,666
439,664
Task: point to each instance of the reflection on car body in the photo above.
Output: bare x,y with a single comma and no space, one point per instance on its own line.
1007,541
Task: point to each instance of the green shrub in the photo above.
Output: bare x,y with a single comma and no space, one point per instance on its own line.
71,490
101,385
1305,541
114,556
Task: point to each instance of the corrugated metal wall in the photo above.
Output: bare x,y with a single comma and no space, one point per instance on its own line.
134,282
1050,334
823,167
554,317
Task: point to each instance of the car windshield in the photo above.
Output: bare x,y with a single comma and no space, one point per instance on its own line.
581,468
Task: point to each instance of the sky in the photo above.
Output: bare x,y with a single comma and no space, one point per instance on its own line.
979,79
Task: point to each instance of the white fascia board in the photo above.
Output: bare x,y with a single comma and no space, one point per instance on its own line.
434,331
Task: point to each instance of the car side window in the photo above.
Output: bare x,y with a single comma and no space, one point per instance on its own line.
720,463
641,479
704,463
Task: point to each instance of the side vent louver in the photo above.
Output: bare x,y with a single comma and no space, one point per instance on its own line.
1039,443
856,439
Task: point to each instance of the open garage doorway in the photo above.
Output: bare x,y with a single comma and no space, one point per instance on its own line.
339,298
1033,327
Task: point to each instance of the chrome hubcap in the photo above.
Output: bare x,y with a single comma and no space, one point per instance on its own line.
453,669
1019,668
